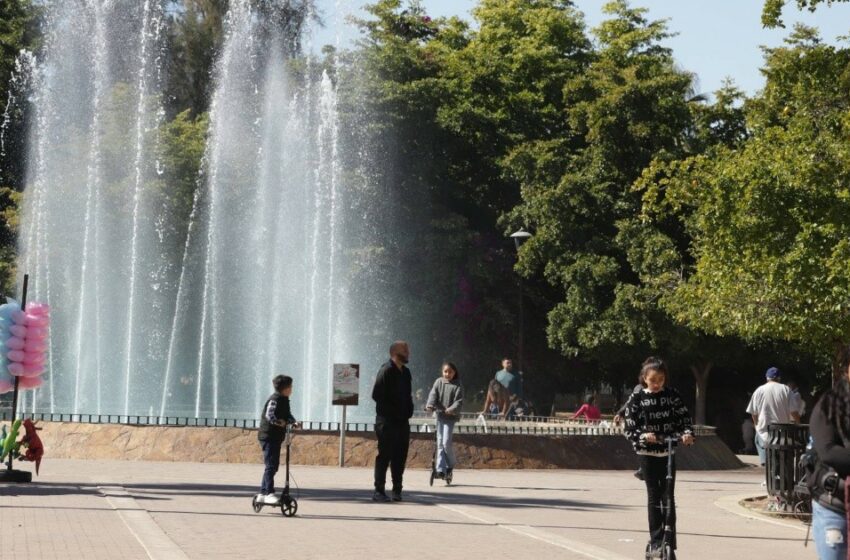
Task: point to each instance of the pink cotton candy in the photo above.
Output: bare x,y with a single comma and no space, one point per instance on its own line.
6,385
18,330
35,321
16,368
38,308
33,357
35,345
36,333
32,369
31,382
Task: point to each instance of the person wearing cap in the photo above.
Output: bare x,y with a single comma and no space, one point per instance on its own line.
770,404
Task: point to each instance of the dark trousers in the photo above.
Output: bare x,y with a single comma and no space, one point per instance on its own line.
393,442
655,476
271,457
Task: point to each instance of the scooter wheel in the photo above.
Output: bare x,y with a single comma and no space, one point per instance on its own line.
431,481
448,479
667,553
289,506
256,505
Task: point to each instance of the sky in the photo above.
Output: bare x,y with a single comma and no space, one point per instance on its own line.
715,39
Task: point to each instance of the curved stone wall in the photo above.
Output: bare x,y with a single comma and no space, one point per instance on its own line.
477,451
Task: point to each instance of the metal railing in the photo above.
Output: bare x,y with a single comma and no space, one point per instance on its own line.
503,427
472,416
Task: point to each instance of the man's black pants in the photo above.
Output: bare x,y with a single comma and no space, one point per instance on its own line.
393,442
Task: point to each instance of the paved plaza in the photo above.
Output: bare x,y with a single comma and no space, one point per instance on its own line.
140,510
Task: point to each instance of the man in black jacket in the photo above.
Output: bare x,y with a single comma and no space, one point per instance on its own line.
393,398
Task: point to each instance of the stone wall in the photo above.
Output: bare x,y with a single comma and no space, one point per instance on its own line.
477,451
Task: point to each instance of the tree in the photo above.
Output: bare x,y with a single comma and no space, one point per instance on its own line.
445,108
627,107
771,15
631,108
505,96
768,219
19,21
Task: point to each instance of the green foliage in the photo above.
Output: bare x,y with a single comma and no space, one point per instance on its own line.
629,106
181,150
768,219
18,30
195,34
771,15
505,94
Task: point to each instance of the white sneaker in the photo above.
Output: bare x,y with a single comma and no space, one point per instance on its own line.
271,499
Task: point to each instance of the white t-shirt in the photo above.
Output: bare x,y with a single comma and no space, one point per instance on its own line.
798,405
772,403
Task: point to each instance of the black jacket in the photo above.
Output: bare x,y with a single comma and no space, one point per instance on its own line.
275,411
833,460
392,393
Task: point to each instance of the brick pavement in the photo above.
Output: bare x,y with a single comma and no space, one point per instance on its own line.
129,510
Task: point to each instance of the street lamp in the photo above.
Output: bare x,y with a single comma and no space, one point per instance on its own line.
520,236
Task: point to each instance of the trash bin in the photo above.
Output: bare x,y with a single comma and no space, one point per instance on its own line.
785,444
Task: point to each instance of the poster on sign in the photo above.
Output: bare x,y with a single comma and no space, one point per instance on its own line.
346,384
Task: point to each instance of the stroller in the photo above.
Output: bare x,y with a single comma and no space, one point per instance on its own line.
288,504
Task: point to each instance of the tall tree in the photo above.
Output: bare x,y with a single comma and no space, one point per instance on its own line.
18,30
627,107
631,107
768,219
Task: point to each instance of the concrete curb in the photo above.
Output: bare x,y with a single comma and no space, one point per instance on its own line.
732,505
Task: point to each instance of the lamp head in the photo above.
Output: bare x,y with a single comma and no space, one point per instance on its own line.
520,236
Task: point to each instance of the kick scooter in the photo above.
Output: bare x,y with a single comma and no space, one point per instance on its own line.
434,474
288,505
666,551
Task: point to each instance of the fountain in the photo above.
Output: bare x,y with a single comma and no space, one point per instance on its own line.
195,319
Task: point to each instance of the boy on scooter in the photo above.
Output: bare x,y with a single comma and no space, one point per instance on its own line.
274,418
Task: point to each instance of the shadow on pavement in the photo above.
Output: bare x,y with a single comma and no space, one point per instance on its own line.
445,496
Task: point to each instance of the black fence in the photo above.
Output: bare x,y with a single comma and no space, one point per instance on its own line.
502,428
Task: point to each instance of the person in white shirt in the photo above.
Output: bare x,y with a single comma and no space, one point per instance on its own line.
770,404
798,404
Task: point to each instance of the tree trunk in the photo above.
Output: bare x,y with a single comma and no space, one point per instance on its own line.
837,360
701,373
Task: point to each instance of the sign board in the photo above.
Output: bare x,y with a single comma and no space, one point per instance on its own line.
346,384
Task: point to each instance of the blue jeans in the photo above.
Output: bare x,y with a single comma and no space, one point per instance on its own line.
445,453
829,528
271,457
760,449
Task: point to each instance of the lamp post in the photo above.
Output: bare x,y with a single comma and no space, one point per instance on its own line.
520,236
